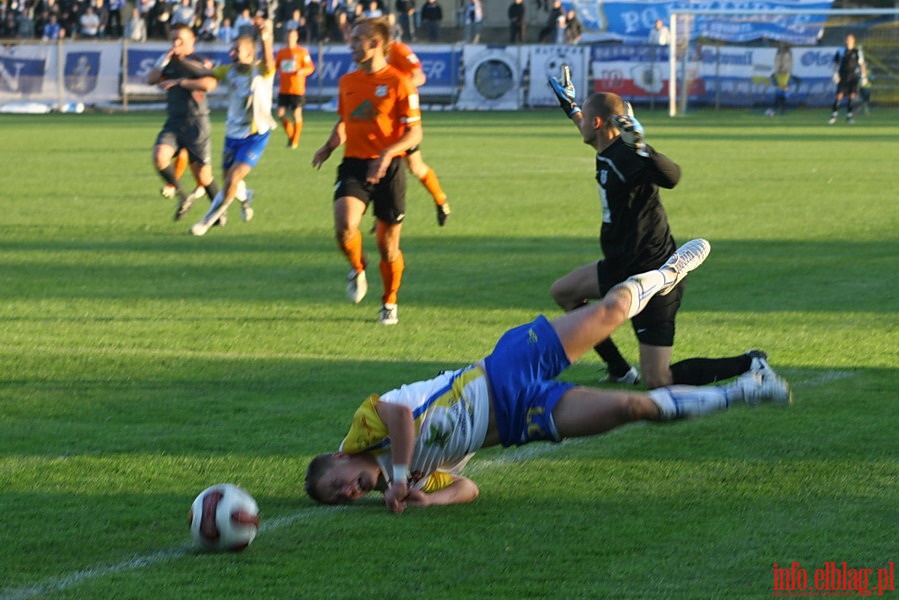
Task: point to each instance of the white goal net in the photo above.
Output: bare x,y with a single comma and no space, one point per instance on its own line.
767,45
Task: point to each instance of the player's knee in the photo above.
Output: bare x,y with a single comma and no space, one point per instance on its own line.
655,379
561,295
639,407
617,306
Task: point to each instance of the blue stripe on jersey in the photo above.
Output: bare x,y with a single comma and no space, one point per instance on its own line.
439,393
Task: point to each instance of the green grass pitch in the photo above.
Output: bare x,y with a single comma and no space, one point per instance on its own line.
138,365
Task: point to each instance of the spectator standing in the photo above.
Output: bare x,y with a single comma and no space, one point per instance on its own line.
136,28
517,22
659,35
226,33
313,21
431,15
372,10
552,21
405,18
474,18
53,31
573,28
90,24
114,25
184,14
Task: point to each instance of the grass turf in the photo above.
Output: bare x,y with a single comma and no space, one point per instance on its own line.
139,365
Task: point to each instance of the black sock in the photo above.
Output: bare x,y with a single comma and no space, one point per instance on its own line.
168,174
212,190
609,352
700,371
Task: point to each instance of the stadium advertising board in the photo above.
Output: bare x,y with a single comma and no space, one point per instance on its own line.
725,75
632,20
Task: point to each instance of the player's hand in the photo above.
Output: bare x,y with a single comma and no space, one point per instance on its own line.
395,497
836,79
865,81
631,133
418,498
565,92
377,168
321,155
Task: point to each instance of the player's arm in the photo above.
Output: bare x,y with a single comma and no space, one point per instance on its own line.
665,172
335,140
460,491
564,90
268,54
155,74
378,167
418,76
401,429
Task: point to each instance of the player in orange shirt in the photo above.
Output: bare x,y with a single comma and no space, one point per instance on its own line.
403,58
379,119
294,65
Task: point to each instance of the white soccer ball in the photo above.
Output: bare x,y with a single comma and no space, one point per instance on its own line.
769,112
224,517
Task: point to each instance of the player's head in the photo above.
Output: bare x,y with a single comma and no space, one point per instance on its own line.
293,37
243,51
338,478
369,38
598,111
183,39
850,41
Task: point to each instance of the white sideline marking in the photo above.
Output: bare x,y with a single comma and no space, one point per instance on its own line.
514,455
64,582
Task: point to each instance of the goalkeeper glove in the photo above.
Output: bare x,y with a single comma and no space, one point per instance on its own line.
631,133
564,91
836,79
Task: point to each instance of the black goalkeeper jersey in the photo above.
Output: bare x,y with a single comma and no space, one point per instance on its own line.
635,236
849,62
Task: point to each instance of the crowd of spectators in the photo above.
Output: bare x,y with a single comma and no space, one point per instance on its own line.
318,21
327,21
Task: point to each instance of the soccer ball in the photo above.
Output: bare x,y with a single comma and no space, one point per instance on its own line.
769,112
224,517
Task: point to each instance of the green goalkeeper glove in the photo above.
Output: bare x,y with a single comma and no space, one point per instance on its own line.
564,91
631,133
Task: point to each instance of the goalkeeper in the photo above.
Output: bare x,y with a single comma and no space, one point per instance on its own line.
634,237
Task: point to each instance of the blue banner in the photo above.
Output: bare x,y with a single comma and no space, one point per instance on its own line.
632,20
23,76
440,64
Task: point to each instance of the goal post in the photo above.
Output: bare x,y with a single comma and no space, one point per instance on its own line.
691,28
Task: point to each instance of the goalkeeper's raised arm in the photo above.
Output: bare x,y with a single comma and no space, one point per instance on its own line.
564,90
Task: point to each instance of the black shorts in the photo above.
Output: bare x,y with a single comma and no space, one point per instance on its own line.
388,195
654,325
291,101
848,87
191,134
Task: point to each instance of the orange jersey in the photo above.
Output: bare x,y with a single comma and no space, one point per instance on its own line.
375,110
401,57
294,65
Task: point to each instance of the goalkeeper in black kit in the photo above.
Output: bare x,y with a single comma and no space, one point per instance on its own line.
634,237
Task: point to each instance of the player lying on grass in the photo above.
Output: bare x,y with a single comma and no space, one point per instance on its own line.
412,443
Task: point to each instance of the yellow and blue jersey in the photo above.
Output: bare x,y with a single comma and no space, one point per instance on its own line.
451,413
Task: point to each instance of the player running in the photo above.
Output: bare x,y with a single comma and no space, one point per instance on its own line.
186,79
403,58
294,65
249,122
379,121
